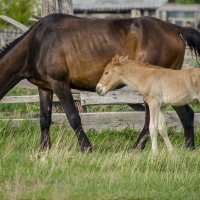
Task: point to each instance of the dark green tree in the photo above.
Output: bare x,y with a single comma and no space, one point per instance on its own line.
20,10
187,1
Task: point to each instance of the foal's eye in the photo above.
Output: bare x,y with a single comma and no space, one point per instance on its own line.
106,72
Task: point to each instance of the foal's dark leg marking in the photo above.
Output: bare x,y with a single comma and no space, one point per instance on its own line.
63,91
186,115
46,97
144,134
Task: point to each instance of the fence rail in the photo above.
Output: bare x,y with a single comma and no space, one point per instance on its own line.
7,36
101,120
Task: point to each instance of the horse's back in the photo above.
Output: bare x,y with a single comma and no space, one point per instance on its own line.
80,48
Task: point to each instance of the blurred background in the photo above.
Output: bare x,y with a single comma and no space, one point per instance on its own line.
180,12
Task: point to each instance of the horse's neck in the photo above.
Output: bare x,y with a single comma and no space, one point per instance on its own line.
13,66
15,59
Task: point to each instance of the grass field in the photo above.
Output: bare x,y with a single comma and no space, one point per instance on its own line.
111,171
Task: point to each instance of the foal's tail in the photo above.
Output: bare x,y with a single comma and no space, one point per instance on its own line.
192,38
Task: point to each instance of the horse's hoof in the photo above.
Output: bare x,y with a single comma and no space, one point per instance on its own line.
45,148
87,149
138,147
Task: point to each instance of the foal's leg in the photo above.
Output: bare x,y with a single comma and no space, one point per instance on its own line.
163,130
186,115
46,97
63,92
153,125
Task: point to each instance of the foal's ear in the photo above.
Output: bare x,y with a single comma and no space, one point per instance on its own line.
124,59
115,60
119,60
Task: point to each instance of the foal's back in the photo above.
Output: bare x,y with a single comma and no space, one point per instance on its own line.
175,87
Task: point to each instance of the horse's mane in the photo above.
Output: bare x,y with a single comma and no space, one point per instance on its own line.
9,46
4,50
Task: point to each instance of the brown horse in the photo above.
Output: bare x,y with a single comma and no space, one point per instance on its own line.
158,86
61,52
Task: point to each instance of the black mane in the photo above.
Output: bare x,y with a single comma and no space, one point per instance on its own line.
9,46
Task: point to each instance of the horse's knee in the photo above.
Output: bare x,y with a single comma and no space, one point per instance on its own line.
74,121
187,116
190,114
45,122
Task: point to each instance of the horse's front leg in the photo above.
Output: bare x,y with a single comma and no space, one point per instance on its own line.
46,98
186,116
63,92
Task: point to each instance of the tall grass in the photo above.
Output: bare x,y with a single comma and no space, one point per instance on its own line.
111,171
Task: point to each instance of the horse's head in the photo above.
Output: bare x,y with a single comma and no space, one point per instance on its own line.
111,78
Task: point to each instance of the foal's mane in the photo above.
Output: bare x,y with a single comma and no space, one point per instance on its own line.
122,60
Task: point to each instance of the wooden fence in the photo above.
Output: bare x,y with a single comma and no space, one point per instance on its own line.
7,36
101,120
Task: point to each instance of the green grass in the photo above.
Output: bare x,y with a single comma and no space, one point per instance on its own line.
192,62
20,110
111,171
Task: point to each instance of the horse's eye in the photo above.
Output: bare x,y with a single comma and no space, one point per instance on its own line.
106,72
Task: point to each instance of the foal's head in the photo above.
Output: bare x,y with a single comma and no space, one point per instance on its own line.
111,78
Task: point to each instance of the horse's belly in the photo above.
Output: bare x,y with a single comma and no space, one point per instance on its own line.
179,98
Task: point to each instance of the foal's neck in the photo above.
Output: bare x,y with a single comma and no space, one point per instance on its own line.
135,75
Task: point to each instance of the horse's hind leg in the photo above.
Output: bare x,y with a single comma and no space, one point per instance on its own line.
46,97
63,92
144,134
163,130
186,115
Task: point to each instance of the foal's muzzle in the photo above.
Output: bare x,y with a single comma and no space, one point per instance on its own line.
99,89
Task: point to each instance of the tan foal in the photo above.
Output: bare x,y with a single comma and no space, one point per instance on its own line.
159,87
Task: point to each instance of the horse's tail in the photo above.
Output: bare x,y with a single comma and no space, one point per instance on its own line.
192,38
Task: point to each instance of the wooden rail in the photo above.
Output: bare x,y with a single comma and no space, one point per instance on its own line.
101,120
30,99
122,96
